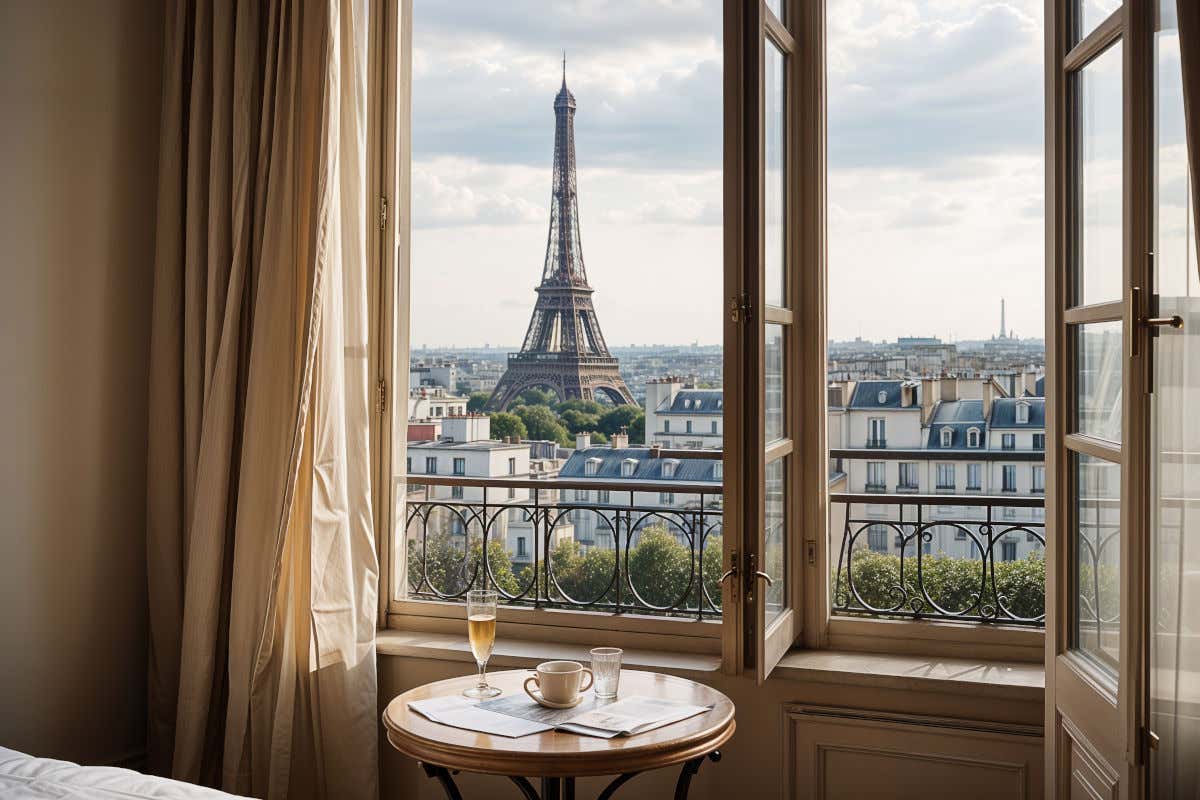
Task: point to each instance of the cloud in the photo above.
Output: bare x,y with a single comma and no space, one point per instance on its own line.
646,76
457,192
927,84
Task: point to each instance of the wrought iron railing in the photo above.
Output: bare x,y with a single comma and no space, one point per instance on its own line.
553,544
949,557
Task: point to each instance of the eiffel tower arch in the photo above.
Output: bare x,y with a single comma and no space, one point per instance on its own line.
563,350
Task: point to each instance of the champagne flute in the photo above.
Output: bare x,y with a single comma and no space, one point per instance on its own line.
481,630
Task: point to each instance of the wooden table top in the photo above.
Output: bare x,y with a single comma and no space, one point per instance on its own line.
557,754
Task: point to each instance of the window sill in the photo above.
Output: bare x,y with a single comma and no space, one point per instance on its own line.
517,653
1009,680
1006,680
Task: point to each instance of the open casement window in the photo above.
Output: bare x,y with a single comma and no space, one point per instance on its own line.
776,311
455,515
1101,317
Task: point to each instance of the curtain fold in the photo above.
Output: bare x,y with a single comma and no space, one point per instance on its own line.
262,570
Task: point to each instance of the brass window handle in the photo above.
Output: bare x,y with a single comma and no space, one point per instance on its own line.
1174,321
764,576
729,573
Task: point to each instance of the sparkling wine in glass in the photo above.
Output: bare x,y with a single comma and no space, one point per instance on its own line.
481,630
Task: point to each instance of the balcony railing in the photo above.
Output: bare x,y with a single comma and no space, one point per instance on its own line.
943,567
633,554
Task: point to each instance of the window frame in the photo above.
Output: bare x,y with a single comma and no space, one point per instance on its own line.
807,481
390,168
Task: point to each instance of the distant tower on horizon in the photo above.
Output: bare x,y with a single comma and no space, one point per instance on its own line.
1003,327
563,349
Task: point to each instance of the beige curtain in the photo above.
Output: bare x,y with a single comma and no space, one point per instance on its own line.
263,577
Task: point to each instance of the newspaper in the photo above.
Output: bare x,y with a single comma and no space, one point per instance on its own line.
519,715
602,718
459,712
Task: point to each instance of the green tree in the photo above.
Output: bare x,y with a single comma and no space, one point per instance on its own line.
505,424
711,567
599,438
445,566
541,423
955,584
582,578
578,421
613,420
659,567
537,397
637,431
586,406
477,401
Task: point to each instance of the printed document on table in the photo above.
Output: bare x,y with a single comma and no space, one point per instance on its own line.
459,712
602,718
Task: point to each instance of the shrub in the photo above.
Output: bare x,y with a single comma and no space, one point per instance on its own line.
955,584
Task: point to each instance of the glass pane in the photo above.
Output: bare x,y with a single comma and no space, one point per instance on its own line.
1100,180
1092,13
1099,389
773,382
1097,567
1175,475
774,202
775,539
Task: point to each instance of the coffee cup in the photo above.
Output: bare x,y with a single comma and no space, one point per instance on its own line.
558,682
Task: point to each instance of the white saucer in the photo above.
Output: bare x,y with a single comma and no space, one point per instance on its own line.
544,702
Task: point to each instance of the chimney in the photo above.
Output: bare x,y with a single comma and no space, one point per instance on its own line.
949,389
583,440
1029,381
989,394
620,440
928,390
835,396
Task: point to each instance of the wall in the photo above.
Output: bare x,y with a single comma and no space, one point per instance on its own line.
79,89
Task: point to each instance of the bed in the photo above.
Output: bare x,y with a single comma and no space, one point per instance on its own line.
24,777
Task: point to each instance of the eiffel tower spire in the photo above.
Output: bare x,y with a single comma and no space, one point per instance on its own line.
563,348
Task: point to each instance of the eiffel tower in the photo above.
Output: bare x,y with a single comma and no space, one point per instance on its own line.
564,349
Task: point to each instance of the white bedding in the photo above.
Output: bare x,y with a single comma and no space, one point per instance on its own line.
25,777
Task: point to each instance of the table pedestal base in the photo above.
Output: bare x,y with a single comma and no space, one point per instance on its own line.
564,788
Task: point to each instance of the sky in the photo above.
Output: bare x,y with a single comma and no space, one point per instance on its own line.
935,166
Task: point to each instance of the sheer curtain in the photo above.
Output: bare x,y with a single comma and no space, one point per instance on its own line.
263,575
1175,646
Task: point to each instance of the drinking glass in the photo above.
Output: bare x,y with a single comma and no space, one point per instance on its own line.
481,629
606,670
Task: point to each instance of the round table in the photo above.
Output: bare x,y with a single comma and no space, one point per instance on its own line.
559,758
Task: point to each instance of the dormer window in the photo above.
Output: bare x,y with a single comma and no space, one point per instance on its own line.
591,466
882,397
1022,413
973,437
718,471
720,404
947,437
627,467
669,466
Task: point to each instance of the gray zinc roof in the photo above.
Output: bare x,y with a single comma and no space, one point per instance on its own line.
1004,413
697,401
866,394
647,468
959,416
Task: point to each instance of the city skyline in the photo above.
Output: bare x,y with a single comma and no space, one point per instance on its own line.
648,83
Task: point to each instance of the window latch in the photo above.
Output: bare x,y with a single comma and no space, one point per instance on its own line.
739,308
